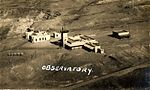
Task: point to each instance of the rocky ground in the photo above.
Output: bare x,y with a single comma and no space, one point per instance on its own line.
90,17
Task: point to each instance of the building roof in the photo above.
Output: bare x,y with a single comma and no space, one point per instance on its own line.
72,40
93,44
39,33
86,37
120,31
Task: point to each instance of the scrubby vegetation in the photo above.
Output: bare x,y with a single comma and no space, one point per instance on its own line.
3,32
79,17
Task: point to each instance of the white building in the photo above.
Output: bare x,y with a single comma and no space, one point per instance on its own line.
57,35
121,34
83,41
28,34
79,40
37,36
69,42
88,39
94,47
74,42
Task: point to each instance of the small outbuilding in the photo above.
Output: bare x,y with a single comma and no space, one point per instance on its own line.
121,34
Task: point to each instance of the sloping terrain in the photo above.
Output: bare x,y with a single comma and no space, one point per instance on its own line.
90,17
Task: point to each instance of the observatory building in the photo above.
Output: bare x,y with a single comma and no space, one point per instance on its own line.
83,41
121,34
37,36
68,42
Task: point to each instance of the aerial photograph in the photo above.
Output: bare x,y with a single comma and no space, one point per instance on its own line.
75,44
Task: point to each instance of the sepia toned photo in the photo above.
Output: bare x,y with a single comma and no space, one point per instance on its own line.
75,44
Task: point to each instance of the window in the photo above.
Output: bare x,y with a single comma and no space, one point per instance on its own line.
35,39
45,38
40,39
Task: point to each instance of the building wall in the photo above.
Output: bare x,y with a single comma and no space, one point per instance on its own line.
64,37
41,38
78,43
96,49
123,34
57,35
28,34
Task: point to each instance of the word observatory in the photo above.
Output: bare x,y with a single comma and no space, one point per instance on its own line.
66,69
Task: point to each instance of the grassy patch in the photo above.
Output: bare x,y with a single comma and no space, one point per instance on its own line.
3,32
